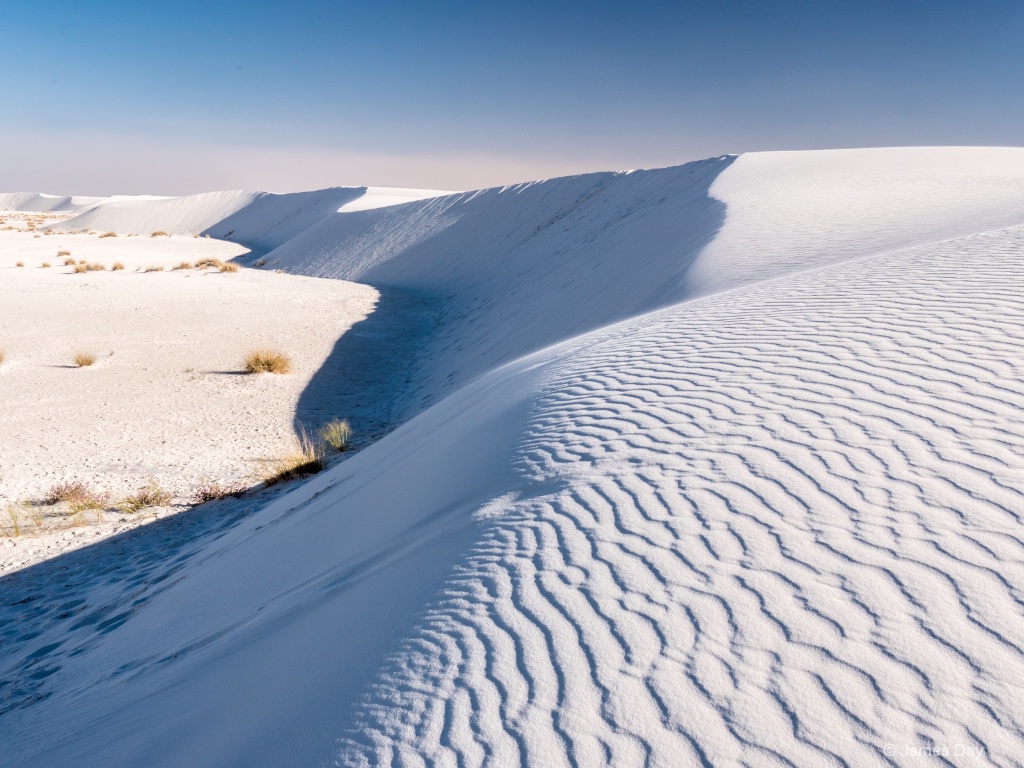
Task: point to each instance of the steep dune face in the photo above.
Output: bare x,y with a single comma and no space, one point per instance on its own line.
751,495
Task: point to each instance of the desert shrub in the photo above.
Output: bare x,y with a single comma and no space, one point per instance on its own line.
69,262
259,263
306,458
19,264
229,267
183,265
84,359
336,433
215,490
150,496
78,496
64,252
159,233
208,262
108,234
267,361
118,266
79,268
96,267
45,265
2,356
153,269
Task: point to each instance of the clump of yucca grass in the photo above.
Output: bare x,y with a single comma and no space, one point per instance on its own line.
150,496
153,269
45,265
80,268
208,262
64,252
20,264
118,266
108,234
77,495
306,458
267,361
229,267
84,359
96,267
259,263
216,490
159,233
337,433
182,265
69,262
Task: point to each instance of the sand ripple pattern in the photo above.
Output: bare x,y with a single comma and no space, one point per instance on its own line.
777,526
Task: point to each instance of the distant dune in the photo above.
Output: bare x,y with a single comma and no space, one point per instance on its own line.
718,464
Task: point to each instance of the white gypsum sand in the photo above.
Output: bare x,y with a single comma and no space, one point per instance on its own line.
165,401
720,464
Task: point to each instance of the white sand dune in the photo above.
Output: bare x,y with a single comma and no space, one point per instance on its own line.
714,465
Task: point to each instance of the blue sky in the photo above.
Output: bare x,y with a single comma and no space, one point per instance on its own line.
112,96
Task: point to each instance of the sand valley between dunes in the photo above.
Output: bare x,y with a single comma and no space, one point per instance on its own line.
165,401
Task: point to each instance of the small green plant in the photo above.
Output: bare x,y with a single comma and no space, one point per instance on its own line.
337,433
267,361
84,359
77,495
150,496
306,458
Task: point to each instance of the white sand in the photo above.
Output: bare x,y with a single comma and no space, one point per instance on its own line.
164,402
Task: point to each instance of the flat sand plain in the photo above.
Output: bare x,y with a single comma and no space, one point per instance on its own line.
166,401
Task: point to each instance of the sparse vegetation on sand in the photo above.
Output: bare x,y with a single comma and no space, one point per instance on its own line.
182,265
337,433
84,359
153,269
259,263
150,496
77,495
69,262
216,490
19,264
108,234
2,356
159,233
208,262
118,266
96,267
229,267
307,458
64,252
45,265
267,361
80,268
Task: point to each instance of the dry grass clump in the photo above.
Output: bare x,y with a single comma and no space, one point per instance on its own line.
229,267
79,268
208,262
259,263
45,265
3,355
84,359
96,267
153,269
64,252
215,490
69,262
307,458
118,266
78,496
150,496
108,234
337,433
159,233
267,361
20,264
182,265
